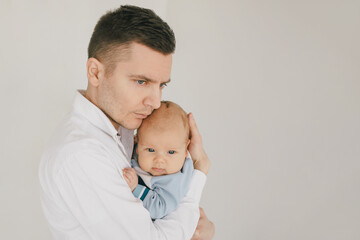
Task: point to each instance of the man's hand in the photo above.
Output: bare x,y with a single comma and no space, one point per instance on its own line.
205,229
197,152
130,177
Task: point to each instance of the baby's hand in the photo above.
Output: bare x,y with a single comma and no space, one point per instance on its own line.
130,177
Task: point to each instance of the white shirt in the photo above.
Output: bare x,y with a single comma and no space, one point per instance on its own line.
83,192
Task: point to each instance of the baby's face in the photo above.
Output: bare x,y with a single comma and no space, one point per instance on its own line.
162,151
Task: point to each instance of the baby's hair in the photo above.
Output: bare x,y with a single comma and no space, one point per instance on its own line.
182,113
171,112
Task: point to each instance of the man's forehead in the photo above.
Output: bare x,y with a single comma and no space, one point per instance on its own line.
143,63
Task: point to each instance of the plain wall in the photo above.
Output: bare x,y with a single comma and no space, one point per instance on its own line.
274,87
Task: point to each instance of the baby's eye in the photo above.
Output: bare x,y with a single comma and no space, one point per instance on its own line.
151,150
171,152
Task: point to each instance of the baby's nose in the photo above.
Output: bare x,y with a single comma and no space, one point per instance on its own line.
159,159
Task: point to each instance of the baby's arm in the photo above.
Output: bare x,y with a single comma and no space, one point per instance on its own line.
166,191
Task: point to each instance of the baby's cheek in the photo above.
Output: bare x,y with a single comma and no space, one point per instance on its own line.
144,163
176,165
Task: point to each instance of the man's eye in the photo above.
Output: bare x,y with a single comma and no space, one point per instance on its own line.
162,85
141,82
151,150
171,152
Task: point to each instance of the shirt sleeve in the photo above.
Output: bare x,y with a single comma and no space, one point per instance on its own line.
97,195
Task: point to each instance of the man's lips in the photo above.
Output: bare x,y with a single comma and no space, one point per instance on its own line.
142,115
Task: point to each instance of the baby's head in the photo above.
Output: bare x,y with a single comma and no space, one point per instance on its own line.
162,140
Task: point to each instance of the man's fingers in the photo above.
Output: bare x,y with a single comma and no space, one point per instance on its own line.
195,133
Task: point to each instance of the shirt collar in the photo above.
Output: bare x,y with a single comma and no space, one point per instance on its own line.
93,114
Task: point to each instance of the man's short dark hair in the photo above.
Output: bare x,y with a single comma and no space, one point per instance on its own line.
117,29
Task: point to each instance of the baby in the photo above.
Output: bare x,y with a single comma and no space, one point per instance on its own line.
161,160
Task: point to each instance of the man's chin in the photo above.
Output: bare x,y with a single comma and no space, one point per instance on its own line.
135,124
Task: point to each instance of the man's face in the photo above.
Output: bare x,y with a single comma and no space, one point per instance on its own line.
161,151
133,90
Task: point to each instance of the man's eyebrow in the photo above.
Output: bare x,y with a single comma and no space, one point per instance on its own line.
146,78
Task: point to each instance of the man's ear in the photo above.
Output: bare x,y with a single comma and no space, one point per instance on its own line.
95,71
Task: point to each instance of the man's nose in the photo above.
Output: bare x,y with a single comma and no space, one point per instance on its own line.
153,99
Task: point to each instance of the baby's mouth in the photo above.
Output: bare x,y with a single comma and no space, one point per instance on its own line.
158,170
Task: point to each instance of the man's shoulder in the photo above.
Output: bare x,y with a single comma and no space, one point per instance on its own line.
74,137
73,150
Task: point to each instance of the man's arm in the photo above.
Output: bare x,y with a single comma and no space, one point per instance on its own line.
205,229
100,199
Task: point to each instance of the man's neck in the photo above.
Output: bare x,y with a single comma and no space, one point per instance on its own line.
87,94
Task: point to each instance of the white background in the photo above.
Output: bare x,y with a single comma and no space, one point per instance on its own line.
274,87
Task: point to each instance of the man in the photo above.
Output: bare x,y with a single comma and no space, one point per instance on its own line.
84,194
